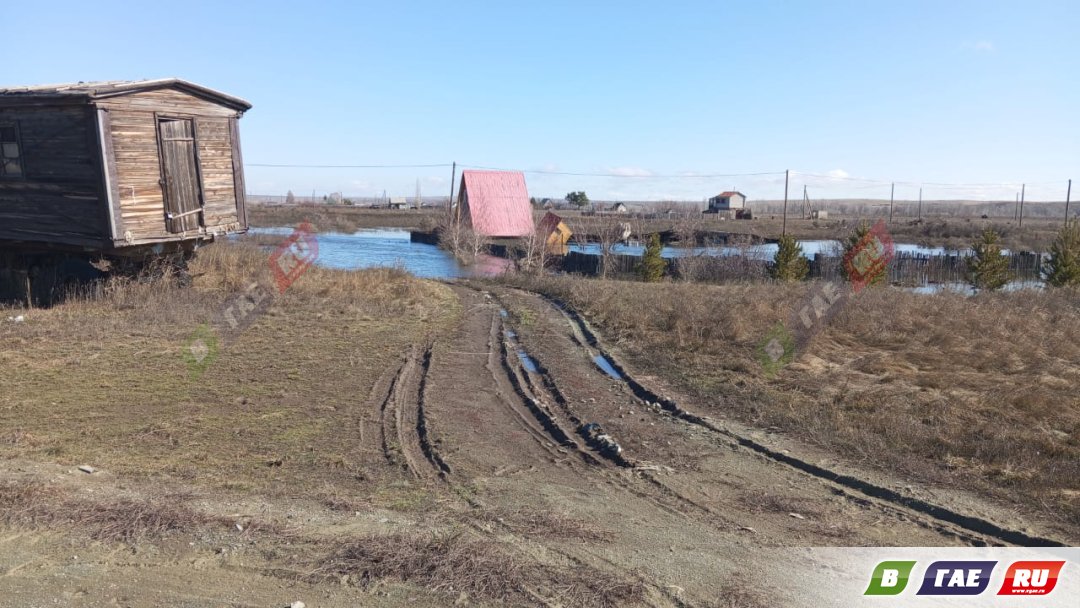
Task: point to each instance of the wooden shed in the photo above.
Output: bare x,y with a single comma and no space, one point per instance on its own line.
119,167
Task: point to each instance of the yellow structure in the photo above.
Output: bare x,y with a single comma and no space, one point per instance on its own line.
558,234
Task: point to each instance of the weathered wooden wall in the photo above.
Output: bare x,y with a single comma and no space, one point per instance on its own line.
138,168
215,157
58,198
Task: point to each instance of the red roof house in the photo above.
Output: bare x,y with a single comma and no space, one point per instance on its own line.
496,203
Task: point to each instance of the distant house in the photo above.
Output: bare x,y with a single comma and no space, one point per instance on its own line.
495,203
727,201
619,208
398,202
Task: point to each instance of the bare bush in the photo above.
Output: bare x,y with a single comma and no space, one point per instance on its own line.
457,237
124,520
454,562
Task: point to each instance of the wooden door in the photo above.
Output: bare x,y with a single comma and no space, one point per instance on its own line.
180,174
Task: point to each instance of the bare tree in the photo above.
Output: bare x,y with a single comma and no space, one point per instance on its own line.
460,239
689,231
609,232
536,253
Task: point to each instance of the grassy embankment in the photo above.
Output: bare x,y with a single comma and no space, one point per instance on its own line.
102,380
977,392
326,218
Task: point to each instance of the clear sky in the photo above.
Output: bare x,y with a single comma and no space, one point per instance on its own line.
955,92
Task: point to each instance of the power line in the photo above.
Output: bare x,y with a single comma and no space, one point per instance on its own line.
283,166
645,176
913,183
630,176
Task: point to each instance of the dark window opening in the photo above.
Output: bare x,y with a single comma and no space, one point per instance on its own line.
10,156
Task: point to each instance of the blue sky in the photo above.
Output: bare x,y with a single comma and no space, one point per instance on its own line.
936,92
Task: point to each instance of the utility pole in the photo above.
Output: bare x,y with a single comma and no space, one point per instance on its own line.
783,229
1068,195
450,207
892,198
1023,187
920,204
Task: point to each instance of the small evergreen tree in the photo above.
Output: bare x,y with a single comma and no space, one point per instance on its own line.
789,263
987,268
1063,267
290,198
652,265
856,246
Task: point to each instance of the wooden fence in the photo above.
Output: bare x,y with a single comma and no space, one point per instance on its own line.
906,268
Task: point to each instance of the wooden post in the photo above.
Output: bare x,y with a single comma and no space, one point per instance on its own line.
783,229
920,204
892,198
450,206
1068,196
29,289
1023,188
1016,209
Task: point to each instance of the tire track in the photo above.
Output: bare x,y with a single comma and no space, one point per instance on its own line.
946,519
506,384
538,391
405,440
430,453
374,440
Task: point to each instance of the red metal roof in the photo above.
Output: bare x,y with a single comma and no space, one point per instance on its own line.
498,203
729,194
549,222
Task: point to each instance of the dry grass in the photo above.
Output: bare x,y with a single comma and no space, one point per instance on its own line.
974,391
102,380
34,504
542,523
455,562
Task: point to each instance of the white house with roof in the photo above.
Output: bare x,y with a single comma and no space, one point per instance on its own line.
727,201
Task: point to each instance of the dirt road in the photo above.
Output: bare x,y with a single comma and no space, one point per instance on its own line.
549,472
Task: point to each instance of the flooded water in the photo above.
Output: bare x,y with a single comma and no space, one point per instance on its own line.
392,247
605,366
968,290
765,251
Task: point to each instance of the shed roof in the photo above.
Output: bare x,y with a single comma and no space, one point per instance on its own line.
111,88
730,193
498,203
